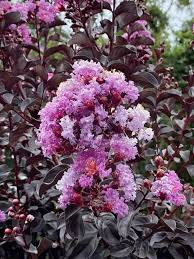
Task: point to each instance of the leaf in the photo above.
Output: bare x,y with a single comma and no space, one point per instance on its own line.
170,223
109,233
157,237
51,178
80,39
121,51
146,79
54,82
32,249
141,249
173,93
70,211
185,155
85,248
121,250
18,133
88,53
190,169
7,98
143,41
107,27
26,103
174,252
20,241
10,18
75,226
180,123
165,130
64,49
51,216
126,13
44,245
41,72
4,205
124,224
126,6
126,18
119,66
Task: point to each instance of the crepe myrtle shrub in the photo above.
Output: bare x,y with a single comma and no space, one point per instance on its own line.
96,136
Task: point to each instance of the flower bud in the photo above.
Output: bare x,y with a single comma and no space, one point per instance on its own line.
160,173
11,209
16,230
162,196
17,216
100,80
107,207
30,218
158,161
22,217
90,105
8,231
103,100
147,183
11,214
77,199
118,157
116,97
15,202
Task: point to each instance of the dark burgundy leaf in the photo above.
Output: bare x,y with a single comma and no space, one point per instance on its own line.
146,79
52,178
41,72
121,51
10,18
64,49
80,39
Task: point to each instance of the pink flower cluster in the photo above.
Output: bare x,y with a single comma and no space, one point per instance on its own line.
169,188
94,118
137,34
41,10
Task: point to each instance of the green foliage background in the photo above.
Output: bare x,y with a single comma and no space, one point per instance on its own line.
179,52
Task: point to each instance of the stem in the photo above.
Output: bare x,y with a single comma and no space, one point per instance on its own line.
16,168
113,25
86,30
23,117
38,39
138,205
176,152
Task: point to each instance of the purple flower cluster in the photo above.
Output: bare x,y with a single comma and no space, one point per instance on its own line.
41,11
169,188
137,34
93,117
